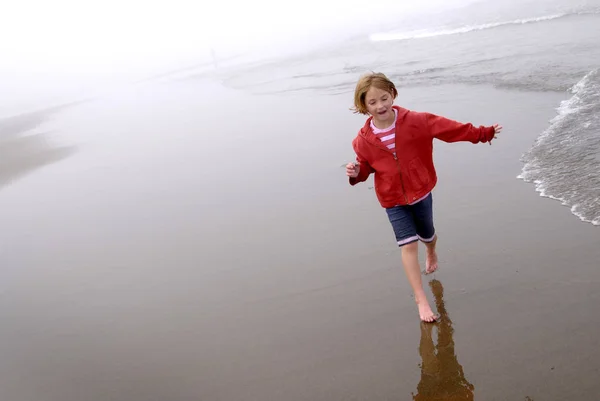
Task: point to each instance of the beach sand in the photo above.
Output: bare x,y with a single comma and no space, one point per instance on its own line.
210,248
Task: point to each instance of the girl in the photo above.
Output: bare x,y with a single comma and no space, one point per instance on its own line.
397,146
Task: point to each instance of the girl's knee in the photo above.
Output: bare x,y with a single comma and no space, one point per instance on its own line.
413,247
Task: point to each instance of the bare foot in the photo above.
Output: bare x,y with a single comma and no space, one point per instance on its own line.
431,264
426,313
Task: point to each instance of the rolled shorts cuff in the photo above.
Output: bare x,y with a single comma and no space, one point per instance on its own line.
408,240
427,240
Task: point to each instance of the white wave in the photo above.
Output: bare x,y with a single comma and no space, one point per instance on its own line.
595,222
532,168
541,189
425,33
567,107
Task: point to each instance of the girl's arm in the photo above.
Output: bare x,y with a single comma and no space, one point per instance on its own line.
364,171
362,164
452,131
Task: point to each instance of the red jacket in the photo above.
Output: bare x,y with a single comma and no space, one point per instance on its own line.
409,174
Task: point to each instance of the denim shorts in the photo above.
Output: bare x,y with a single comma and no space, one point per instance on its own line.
413,222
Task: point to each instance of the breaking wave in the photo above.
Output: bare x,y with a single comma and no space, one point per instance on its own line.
564,162
430,33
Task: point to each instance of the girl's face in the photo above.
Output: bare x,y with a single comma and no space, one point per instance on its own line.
379,104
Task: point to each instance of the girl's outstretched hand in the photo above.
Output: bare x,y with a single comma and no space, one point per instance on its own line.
497,130
352,169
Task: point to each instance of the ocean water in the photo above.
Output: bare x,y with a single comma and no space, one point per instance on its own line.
564,163
545,46
534,45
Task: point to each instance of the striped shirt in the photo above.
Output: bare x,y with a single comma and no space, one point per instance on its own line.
387,135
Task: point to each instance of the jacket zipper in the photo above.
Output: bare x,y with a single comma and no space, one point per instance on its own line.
401,180
378,145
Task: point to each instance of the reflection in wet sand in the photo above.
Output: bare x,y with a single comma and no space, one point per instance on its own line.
442,377
20,154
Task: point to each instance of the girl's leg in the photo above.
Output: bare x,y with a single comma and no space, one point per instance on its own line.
423,215
431,263
410,260
403,223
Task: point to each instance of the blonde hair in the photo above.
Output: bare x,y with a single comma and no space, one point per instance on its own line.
376,79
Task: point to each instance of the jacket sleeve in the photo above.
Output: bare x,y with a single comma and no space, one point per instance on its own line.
452,131
365,168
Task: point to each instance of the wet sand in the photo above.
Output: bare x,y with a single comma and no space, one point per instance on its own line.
24,153
186,253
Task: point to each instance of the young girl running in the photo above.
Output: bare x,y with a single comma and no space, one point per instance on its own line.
397,146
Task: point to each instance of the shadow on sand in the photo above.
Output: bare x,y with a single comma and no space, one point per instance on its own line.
21,154
442,377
